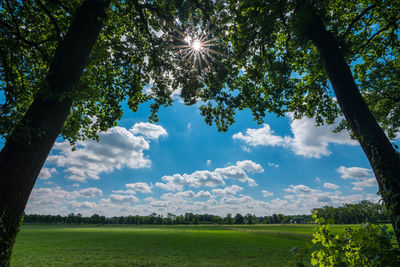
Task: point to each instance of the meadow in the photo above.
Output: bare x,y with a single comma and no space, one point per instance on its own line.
163,245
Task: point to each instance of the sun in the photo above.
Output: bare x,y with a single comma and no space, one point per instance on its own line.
197,45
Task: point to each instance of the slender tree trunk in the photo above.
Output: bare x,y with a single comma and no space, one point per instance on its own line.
27,147
383,158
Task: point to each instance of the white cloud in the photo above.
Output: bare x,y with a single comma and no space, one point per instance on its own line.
260,137
299,199
250,166
299,189
46,173
302,198
354,172
55,200
364,177
331,186
242,200
204,194
360,185
214,178
208,162
89,192
235,173
83,205
229,190
169,186
126,192
47,194
266,193
182,194
196,179
141,187
308,140
312,141
114,198
148,130
117,148
271,164
246,149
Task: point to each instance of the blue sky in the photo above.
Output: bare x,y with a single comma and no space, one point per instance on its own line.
183,165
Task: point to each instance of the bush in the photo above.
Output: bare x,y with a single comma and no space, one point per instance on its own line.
370,245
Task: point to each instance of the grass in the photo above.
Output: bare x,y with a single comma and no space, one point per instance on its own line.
66,245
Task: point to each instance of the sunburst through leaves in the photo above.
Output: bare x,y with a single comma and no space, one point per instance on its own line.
197,48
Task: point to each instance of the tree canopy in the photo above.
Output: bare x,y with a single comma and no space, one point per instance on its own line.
138,57
281,70
66,67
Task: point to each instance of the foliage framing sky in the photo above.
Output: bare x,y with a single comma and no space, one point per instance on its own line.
182,165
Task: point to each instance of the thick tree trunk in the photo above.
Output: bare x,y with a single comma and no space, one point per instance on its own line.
27,147
383,158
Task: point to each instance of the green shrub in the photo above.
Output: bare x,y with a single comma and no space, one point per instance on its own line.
370,245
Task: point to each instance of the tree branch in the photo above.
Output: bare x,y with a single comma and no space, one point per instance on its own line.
391,23
160,14
16,32
144,22
356,19
52,19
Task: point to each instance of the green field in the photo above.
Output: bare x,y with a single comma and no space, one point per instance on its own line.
66,245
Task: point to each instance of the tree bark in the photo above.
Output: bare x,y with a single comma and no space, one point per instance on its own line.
27,147
383,158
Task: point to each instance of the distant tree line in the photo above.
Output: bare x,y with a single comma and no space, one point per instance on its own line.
365,211
187,218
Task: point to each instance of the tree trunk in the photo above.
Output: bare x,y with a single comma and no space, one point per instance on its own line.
27,147
383,158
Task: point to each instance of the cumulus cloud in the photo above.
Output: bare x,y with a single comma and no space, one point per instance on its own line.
296,189
141,187
312,141
83,205
114,198
354,172
55,200
88,192
126,192
214,178
308,140
331,186
229,190
56,193
148,130
304,198
298,199
182,194
236,200
361,185
250,166
266,193
364,177
260,137
46,173
117,148
196,179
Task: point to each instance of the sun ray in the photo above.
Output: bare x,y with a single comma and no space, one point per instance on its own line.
195,47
